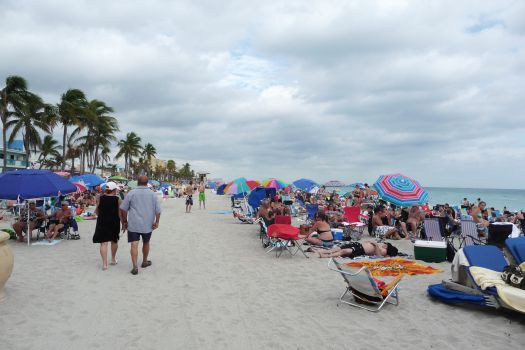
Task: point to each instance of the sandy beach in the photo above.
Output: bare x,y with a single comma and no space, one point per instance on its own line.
211,286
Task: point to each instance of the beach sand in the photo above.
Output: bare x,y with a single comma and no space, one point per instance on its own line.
211,286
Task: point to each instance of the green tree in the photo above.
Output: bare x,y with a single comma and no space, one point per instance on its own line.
48,148
149,152
171,170
71,109
11,97
128,148
27,119
185,172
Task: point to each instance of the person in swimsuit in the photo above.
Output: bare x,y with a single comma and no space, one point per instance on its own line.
320,232
354,249
266,213
202,196
189,196
59,220
477,217
379,228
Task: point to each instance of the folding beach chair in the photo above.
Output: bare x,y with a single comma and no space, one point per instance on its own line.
285,237
469,233
433,229
311,210
353,217
516,248
364,289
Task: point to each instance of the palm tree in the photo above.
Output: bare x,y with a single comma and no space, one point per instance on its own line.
170,168
128,148
32,115
48,148
11,96
148,153
73,152
70,109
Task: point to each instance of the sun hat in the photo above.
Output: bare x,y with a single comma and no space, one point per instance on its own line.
111,186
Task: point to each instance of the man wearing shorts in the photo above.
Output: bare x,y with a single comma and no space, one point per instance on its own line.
140,215
202,196
189,196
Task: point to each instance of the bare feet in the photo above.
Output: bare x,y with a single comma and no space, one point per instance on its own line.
104,267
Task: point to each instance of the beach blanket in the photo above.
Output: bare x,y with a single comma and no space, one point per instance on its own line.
394,267
54,242
486,278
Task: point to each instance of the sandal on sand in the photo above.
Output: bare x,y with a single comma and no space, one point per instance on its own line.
135,271
146,263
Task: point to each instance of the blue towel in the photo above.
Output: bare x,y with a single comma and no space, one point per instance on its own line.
446,295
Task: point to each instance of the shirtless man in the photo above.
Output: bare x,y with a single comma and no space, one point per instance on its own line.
477,217
188,191
381,230
202,195
266,213
59,220
354,249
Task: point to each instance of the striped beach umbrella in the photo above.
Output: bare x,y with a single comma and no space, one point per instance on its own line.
274,183
237,186
80,187
400,190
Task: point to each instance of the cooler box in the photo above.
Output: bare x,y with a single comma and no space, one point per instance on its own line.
430,251
337,233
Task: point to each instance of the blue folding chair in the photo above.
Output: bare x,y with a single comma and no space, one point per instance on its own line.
516,247
311,209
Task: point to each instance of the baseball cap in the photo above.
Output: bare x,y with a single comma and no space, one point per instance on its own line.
111,186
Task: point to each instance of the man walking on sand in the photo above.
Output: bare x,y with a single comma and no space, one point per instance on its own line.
189,196
140,215
202,195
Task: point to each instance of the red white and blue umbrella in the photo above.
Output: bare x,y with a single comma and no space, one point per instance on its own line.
400,190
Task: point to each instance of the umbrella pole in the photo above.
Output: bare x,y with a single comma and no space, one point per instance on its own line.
28,228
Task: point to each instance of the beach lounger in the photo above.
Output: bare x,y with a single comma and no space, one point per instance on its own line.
363,288
516,248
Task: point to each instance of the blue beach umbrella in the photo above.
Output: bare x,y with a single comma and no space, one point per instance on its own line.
305,184
90,180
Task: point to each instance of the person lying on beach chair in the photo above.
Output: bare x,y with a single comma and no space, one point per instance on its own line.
355,249
379,228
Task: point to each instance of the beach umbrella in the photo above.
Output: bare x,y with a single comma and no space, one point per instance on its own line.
274,183
90,180
237,186
62,173
31,184
154,183
305,184
400,190
118,178
132,184
252,183
334,183
80,187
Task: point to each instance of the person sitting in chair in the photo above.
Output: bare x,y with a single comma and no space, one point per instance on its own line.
266,213
354,249
59,220
379,228
36,216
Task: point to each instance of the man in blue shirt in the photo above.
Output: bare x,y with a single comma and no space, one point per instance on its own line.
140,215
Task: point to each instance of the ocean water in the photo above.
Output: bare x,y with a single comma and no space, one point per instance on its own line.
514,200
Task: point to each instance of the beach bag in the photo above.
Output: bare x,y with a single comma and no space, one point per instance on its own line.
513,275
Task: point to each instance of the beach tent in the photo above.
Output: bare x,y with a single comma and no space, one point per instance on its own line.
258,194
220,189
90,180
31,184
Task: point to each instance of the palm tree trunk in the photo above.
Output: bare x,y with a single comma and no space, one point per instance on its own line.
95,161
4,135
72,163
64,144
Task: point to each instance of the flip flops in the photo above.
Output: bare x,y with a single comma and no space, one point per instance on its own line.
135,271
146,263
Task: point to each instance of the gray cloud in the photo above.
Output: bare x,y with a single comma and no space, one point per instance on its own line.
327,90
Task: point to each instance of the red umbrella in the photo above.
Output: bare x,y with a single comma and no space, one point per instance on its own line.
80,187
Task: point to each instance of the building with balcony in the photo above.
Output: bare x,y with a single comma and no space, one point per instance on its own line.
16,156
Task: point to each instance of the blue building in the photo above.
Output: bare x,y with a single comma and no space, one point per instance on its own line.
16,156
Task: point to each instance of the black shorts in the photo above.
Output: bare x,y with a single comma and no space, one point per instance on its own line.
189,200
357,249
135,236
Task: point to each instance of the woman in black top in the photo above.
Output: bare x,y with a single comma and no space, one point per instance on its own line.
108,224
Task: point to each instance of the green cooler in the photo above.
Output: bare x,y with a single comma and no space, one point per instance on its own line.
430,251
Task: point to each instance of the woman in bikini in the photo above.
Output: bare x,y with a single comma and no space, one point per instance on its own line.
320,232
354,249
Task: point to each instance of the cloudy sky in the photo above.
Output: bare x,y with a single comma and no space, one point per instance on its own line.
326,89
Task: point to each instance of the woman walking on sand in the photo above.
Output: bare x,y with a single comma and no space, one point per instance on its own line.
108,224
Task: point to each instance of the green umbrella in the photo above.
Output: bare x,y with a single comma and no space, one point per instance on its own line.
132,184
118,178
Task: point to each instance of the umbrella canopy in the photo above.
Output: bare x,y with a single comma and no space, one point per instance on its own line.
237,186
154,182
274,183
118,178
252,183
132,184
400,190
305,184
334,183
220,189
31,183
80,187
62,173
90,180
